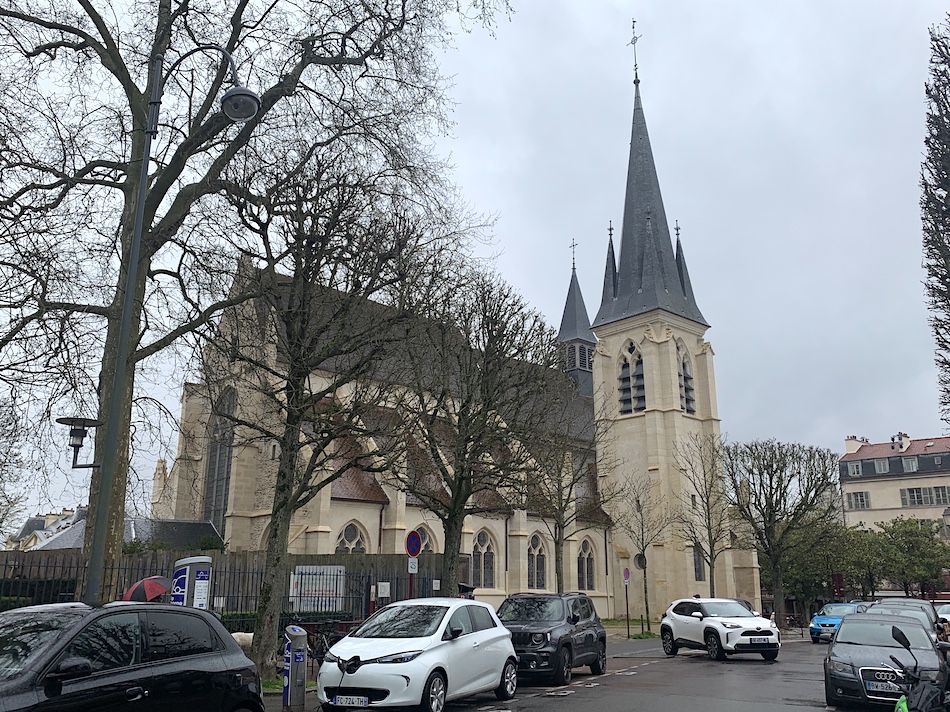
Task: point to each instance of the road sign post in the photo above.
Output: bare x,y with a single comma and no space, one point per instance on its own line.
413,548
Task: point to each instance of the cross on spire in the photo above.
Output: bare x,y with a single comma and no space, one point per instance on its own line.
573,254
633,31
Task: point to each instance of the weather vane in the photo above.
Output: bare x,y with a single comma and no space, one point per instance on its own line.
677,228
610,229
633,31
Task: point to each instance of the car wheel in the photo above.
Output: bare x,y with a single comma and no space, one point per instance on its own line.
433,694
509,681
770,654
816,640
714,647
565,662
599,666
669,645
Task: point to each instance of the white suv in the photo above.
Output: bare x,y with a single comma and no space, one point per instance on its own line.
720,626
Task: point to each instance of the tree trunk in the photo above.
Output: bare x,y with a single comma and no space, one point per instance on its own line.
646,594
559,557
778,593
452,527
119,486
712,577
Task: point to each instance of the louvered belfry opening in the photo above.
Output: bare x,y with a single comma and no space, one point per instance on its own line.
633,398
687,390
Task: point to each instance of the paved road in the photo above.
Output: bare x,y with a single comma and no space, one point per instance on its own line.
640,677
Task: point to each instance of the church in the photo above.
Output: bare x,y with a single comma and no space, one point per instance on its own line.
644,366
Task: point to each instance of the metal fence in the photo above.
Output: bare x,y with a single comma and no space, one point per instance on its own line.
341,587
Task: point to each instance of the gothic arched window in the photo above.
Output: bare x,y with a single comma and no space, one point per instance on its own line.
536,563
219,455
687,391
483,561
633,398
352,540
585,567
428,541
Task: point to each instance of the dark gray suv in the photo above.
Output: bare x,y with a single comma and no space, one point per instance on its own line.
554,633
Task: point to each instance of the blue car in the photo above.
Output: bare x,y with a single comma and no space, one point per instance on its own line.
824,624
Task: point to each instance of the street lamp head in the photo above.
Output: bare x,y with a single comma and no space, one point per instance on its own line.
240,104
77,429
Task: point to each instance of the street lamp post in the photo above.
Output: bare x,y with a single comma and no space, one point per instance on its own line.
239,104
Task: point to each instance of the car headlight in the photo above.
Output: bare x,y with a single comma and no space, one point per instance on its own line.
732,626
330,657
813,625
539,638
841,667
929,675
400,657
772,625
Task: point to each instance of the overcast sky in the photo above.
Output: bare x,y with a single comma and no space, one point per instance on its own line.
788,138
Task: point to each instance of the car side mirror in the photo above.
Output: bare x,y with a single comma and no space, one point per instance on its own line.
697,614
573,618
455,631
756,613
70,669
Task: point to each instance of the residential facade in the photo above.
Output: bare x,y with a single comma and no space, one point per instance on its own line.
644,367
902,478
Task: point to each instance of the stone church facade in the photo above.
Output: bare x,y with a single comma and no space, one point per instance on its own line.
648,371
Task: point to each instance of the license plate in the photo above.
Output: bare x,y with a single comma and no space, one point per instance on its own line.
350,701
758,640
882,686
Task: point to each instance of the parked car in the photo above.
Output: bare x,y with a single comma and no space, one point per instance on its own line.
886,608
918,603
858,665
720,626
420,652
554,633
136,656
824,624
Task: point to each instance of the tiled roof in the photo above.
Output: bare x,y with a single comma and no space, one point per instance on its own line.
877,451
358,485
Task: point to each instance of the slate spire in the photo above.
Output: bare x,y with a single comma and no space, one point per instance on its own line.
575,323
648,276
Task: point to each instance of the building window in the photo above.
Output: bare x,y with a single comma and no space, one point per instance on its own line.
220,454
571,356
536,563
586,358
687,391
917,497
585,567
632,387
699,562
880,467
483,561
909,463
859,500
941,495
854,469
428,541
938,460
352,540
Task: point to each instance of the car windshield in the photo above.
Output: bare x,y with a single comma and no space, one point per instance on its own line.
402,622
836,609
531,609
908,611
24,635
944,611
726,609
870,633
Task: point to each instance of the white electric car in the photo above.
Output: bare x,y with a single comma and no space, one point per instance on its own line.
425,652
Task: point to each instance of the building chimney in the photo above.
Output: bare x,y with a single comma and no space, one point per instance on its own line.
853,443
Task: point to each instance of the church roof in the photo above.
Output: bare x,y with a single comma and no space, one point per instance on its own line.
575,323
648,276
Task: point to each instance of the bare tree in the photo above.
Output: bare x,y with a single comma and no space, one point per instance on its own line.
935,213
480,367
778,490
75,102
570,489
704,518
644,516
12,488
340,238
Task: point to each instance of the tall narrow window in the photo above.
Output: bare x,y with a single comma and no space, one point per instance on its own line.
536,563
571,356
220,451
585,567
631,382
687,390
699,562
483,561
428,541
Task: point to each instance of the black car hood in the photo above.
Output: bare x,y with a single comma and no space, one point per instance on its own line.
878,656
531,626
